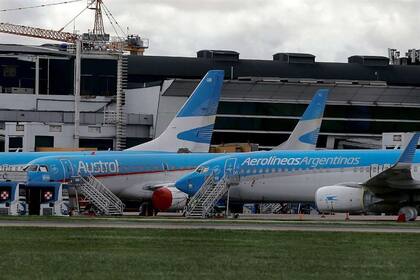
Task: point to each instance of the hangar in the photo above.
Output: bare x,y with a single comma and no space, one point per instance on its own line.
261,99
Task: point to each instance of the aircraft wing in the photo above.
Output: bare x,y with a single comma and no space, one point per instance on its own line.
399,175
158,186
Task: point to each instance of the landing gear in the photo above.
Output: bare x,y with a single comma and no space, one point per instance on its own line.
146,209
407,213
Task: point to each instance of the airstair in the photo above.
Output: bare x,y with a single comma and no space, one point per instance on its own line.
100,196
121,118
202,203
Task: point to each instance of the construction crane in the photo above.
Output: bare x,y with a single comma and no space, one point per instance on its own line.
96,40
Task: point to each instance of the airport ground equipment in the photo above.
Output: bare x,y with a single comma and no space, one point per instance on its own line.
55,201
100,196
203,202
12,199
272,208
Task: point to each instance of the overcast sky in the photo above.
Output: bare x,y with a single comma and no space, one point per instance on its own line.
330,29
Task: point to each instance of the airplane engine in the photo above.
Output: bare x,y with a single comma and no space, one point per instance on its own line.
342,198
169,199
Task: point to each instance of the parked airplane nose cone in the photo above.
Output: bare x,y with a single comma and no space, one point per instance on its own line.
181,185
162,199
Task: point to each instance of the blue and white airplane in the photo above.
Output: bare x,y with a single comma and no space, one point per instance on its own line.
337,180
149,176
191,129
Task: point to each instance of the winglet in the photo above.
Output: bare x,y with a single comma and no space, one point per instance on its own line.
192,128
409,151
305,135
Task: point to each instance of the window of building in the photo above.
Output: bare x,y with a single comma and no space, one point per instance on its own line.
100,144
9,71
20,127
44,141
55,128
15,143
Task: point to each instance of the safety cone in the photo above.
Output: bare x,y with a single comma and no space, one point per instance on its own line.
401,218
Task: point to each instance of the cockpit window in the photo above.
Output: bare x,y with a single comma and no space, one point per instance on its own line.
32,167
43,168
202,169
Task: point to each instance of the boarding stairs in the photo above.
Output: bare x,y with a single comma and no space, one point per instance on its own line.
201,205
100,196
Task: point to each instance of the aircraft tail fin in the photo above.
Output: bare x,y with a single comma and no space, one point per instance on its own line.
399,175
305,134
192,128
409,151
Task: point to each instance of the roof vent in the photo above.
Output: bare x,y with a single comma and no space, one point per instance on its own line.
294,58
369,60
221,55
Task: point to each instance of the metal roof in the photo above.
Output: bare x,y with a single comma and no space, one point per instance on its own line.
154,68
38,50
149,68
303,93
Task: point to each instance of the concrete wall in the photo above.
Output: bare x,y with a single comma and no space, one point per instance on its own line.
62,139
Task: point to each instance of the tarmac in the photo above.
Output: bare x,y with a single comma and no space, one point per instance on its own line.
243,223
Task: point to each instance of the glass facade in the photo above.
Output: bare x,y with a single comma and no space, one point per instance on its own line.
269,124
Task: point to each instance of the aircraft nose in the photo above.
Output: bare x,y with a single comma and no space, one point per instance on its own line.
189,184
182,184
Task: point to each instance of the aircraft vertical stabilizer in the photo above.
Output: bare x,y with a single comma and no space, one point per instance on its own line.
305,134
192,128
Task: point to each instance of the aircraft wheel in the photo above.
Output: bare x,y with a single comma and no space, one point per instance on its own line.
410,213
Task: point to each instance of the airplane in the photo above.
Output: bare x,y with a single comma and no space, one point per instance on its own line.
151,176
190,130
354,181
305,135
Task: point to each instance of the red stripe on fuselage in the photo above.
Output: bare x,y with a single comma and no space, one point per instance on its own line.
137,173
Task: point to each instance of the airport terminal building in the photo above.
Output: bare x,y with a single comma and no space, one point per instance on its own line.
262,100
